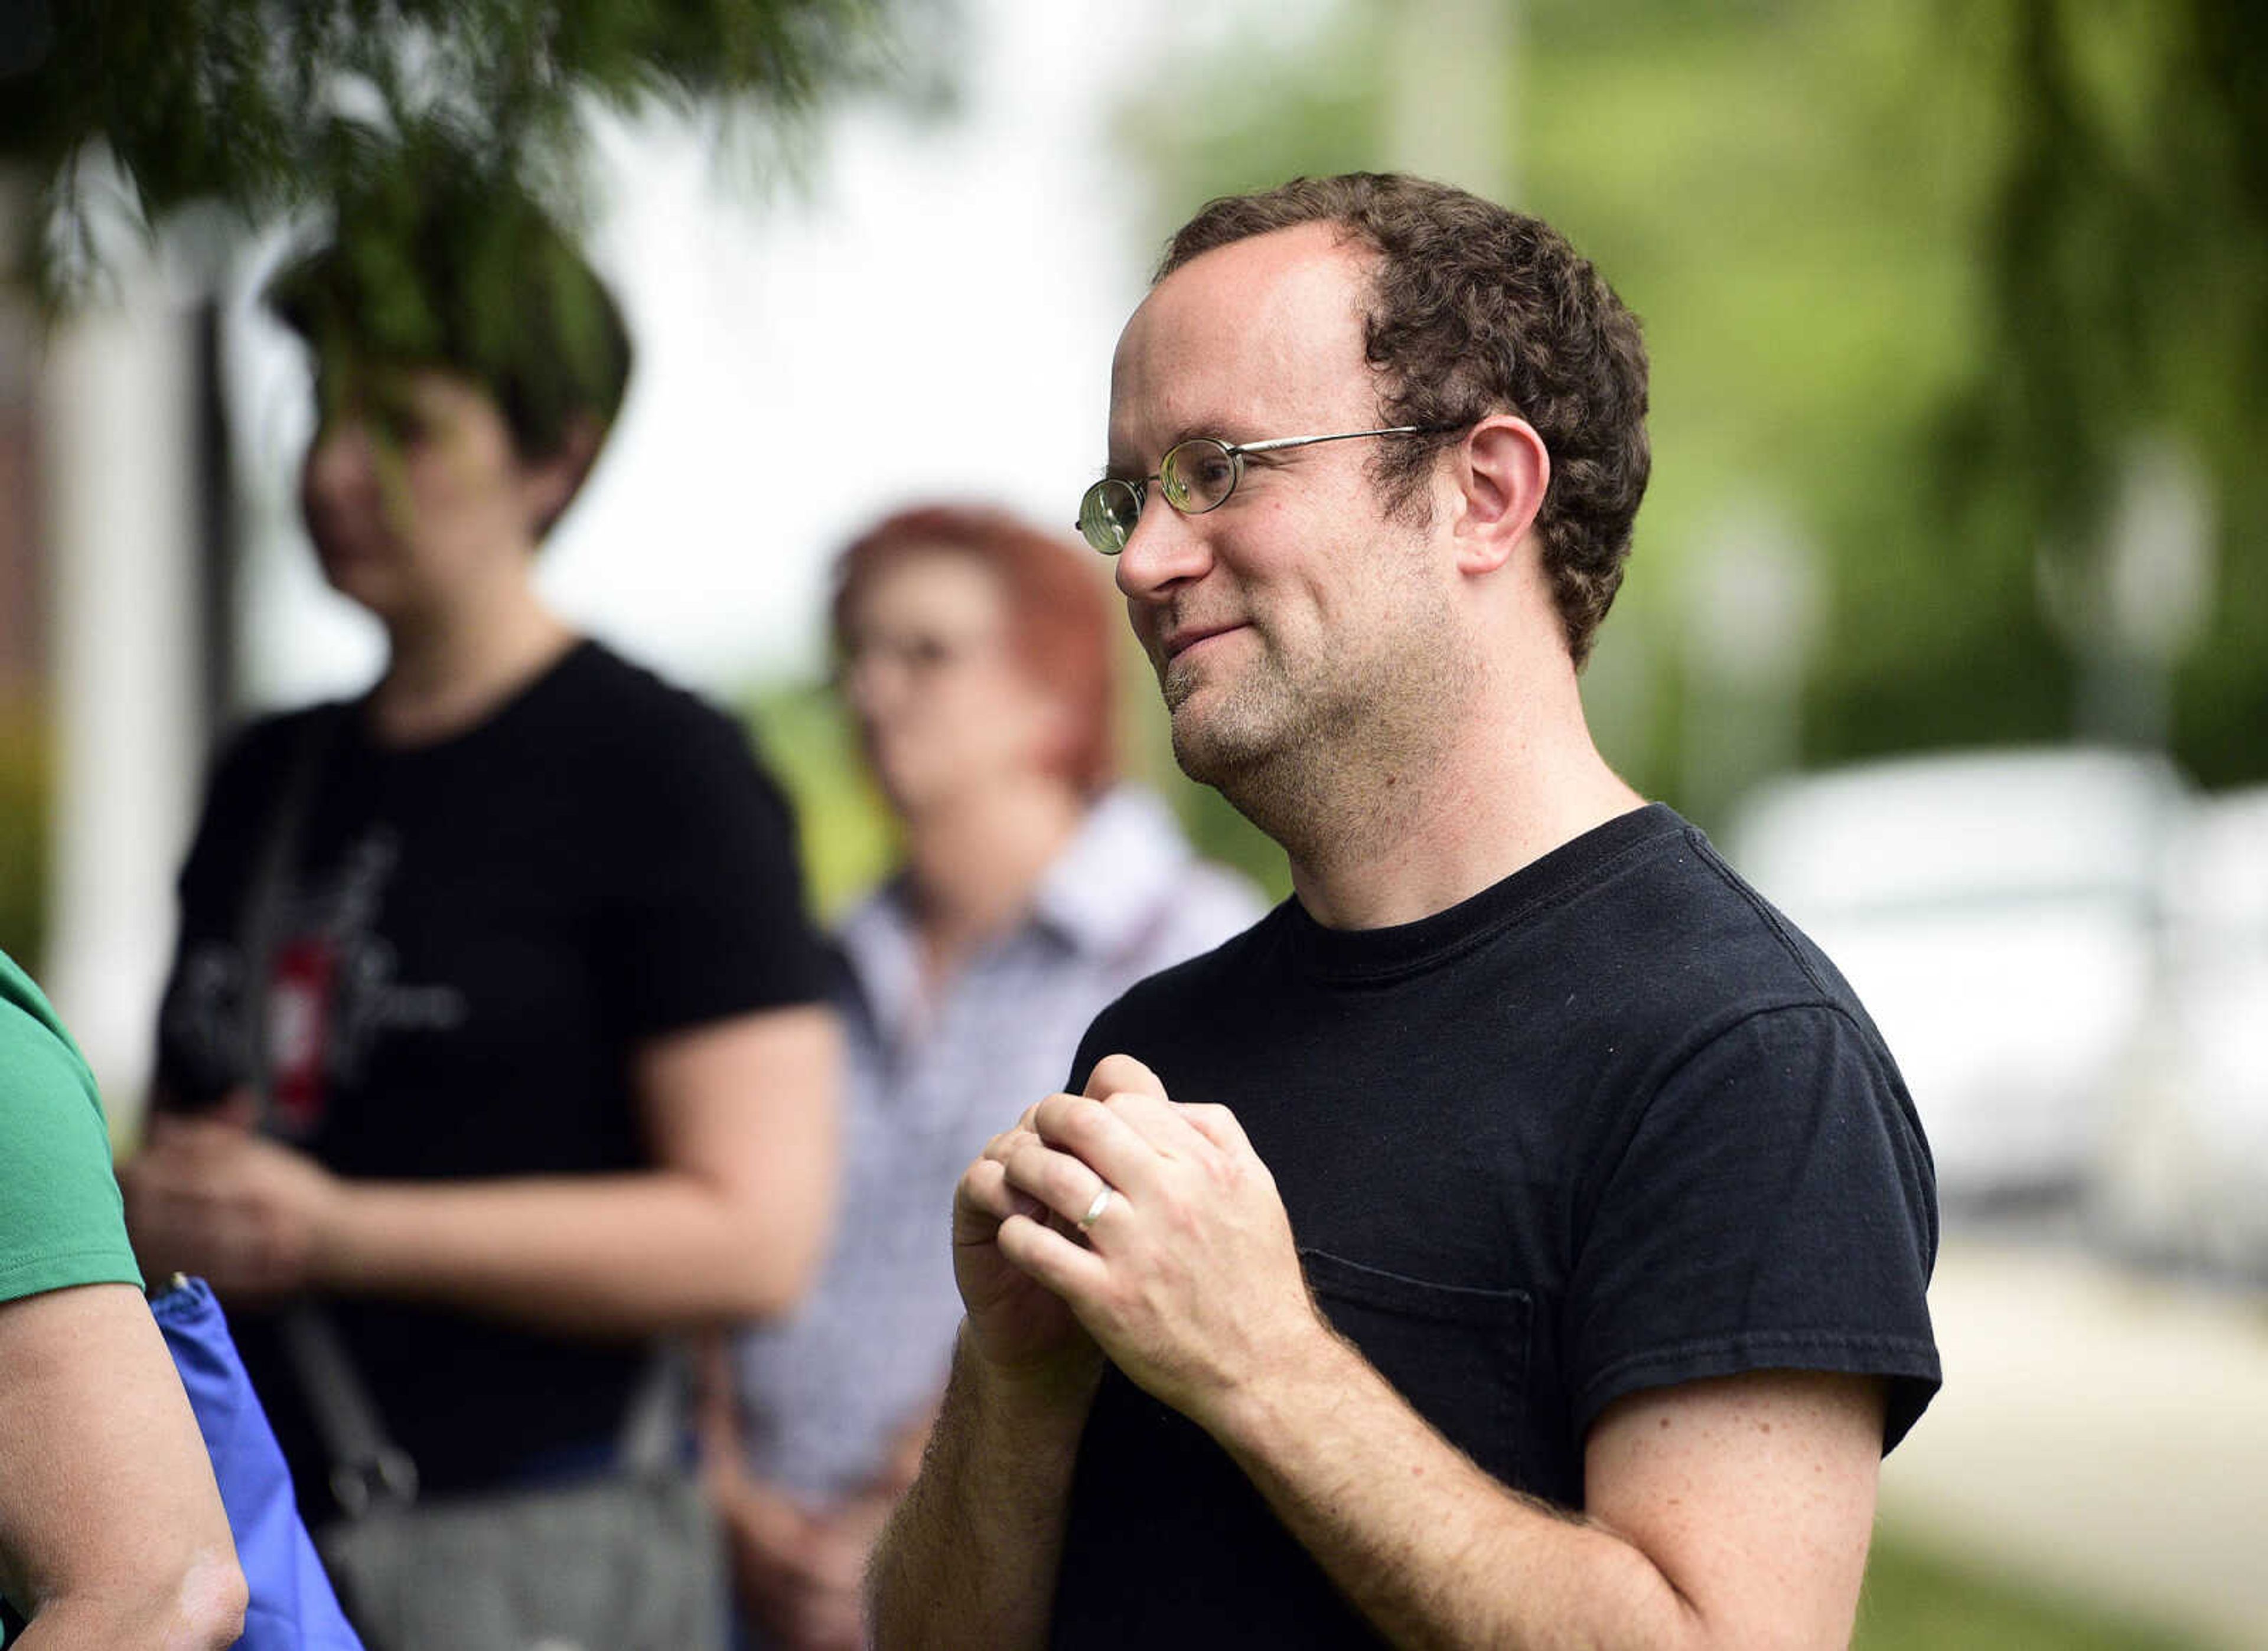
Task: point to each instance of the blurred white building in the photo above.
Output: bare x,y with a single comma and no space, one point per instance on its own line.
2001,914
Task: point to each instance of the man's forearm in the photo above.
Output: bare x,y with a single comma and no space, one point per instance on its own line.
112,1530
624,1255
1744,1509
1434,1551
202,1608
971,1554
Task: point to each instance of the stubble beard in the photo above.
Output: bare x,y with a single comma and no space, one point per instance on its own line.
1253,742
1322,758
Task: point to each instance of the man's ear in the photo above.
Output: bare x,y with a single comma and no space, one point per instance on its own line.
551,482
1502,471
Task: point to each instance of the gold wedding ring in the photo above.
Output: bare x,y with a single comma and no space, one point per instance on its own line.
1094,1210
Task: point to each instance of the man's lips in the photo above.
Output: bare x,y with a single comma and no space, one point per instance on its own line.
1180,642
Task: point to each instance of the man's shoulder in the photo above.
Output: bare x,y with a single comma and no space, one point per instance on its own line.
627,705
646,749
60,1218
32,1034
1677,928
276,741
256,765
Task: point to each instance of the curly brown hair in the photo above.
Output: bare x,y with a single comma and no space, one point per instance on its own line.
1477,309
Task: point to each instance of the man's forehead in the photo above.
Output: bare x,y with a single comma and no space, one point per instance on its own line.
1266,328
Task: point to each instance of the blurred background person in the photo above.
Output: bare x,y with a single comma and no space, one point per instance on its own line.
111,1532
973,654
508,960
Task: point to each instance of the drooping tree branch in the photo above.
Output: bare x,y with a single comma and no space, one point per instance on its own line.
261,106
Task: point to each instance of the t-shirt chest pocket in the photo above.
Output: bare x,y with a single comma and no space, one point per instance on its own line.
1458,1354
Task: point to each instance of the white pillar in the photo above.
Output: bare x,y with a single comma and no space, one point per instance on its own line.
117,446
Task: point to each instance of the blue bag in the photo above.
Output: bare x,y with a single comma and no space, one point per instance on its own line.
292,1604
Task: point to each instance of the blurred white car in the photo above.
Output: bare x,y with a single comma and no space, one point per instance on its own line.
1998,912
2187,1176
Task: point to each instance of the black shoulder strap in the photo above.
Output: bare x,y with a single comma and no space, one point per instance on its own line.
366,1466
267,894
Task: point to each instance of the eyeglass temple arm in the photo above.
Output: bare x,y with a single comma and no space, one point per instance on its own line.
1342,436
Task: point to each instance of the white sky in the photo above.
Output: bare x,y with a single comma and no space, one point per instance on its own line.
933,316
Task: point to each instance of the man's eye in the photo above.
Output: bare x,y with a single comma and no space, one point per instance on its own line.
391,422
927,653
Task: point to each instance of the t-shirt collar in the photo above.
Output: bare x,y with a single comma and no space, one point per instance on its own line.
1403,949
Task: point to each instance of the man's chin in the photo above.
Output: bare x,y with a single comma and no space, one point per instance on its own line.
1211,743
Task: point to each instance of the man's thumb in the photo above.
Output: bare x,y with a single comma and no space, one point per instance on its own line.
1118,1074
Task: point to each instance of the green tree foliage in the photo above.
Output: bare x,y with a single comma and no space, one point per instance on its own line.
1920,276
848,843
264,106
437,255
2125,262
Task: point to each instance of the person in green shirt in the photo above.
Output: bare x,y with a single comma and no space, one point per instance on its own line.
111,1532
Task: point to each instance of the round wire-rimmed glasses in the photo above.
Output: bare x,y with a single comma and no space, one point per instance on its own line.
1195,476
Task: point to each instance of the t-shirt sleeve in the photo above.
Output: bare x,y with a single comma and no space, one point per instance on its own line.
1773,1208
62,1222
709,920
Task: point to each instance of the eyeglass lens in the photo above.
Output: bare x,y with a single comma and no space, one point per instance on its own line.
1198,475
1107,515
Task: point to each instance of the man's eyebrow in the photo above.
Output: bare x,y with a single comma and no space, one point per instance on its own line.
1120,469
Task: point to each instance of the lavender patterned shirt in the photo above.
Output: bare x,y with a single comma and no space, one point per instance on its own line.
826,1392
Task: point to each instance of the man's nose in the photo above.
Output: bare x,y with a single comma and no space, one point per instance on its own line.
339,459
1165,549
871,680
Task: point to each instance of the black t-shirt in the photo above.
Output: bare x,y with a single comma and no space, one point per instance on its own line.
1611,1125
473,940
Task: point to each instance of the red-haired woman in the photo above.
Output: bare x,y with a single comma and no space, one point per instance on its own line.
975,657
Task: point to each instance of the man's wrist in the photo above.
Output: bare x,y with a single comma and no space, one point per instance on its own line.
1280,1402
1034,1390
336,1242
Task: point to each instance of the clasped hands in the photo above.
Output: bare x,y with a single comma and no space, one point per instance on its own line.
210,1196
1188,1277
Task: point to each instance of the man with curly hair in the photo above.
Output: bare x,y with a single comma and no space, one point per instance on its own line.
1520,1237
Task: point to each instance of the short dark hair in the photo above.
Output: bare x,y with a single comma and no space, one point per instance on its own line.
1060,627
438,261
1477,309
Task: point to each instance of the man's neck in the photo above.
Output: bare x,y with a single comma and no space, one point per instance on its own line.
448,671
1517,777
